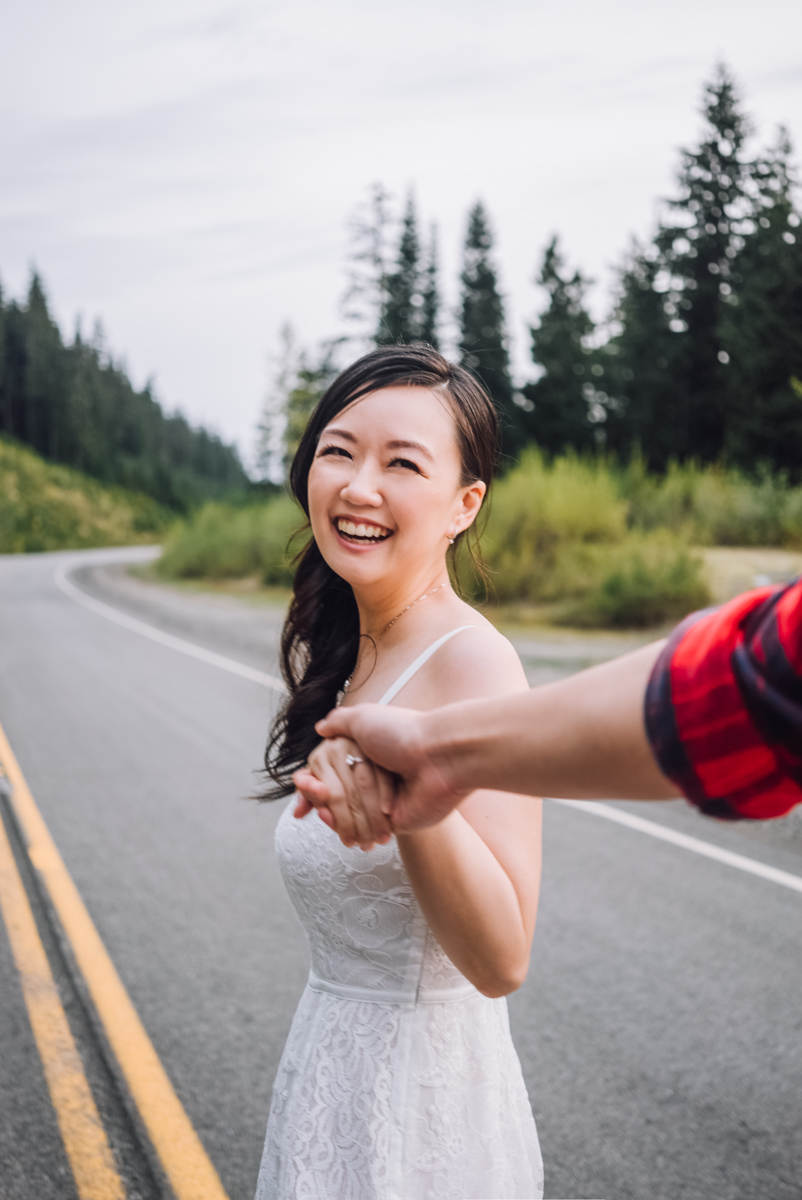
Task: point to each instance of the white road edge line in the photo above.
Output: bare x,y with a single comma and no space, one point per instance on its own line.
740,861
164,639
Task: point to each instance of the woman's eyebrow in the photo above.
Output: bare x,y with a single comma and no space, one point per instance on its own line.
401,445
343,433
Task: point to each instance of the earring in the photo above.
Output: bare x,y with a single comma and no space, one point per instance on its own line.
450,540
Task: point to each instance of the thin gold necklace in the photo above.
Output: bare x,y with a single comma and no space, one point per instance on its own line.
397,616
439,588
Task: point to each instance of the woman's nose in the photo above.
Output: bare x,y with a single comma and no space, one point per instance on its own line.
362,488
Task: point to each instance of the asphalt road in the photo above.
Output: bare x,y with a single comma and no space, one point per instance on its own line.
659,1028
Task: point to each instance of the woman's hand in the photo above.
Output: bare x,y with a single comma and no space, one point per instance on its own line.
416,789
421,787
361,790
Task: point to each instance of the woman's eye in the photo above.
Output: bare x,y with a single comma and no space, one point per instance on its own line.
405,462
334,450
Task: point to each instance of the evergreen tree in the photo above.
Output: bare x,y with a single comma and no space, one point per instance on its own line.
483,339
400,319
365,296
761,327
430,308
312,378
297,386
708,322
45,383
271,430
88,441
14,372
568,403
697,250
645,410
390,300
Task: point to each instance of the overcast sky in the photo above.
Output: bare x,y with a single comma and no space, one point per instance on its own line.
185,169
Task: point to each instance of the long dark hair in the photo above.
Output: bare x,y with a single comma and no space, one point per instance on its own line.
320,639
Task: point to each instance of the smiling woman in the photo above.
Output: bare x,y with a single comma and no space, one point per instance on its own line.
367,453
399,1080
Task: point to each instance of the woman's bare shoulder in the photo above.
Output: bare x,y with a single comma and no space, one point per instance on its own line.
477,661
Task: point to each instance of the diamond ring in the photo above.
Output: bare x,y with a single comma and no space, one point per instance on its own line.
351,760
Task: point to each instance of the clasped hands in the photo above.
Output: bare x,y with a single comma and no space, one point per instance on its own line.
398,786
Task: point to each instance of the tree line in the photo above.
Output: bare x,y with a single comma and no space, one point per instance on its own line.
699,357
74,405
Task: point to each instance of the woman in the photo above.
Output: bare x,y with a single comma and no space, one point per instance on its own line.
399,1080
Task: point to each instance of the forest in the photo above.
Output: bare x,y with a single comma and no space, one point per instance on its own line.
74,405
698,358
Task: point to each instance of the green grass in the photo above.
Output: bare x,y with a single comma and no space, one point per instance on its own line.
561,535
548,526
713,506
645,582
48,507
224,542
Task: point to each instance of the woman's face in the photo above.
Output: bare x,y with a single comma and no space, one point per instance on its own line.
384,488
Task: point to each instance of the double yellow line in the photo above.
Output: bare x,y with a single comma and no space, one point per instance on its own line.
184,1160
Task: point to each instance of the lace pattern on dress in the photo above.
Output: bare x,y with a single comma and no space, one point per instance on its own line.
410,1098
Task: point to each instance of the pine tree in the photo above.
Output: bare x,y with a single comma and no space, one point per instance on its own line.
646,411
483,339
697,249
568,400
272,427
761,325
15,363
45,384
87,446
363,303
430,307
312,378
400,320
709,321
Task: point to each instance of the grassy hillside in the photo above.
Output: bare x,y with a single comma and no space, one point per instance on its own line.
48,507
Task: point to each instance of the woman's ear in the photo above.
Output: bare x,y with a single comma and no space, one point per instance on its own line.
471,501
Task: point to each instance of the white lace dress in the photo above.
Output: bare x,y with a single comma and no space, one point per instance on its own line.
399,1080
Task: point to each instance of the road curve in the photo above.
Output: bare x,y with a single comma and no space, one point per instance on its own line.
660,1025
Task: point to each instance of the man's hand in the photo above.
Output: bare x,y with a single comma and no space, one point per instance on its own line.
417,792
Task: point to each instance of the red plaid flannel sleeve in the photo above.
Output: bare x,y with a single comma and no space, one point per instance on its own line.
724,706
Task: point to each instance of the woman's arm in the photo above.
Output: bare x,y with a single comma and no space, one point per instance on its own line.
477,878
477,874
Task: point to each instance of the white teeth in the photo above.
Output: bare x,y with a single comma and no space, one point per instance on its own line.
361,531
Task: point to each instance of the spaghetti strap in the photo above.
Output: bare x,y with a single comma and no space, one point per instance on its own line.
415,666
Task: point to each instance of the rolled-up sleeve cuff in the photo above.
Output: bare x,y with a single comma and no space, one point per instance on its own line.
723,707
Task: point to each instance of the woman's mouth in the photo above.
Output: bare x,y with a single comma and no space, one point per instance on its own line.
361,533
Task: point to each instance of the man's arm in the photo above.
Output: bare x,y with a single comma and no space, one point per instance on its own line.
714,714
580,738
583,737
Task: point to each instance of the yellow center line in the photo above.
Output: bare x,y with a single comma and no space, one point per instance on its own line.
185,1162
84,1137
